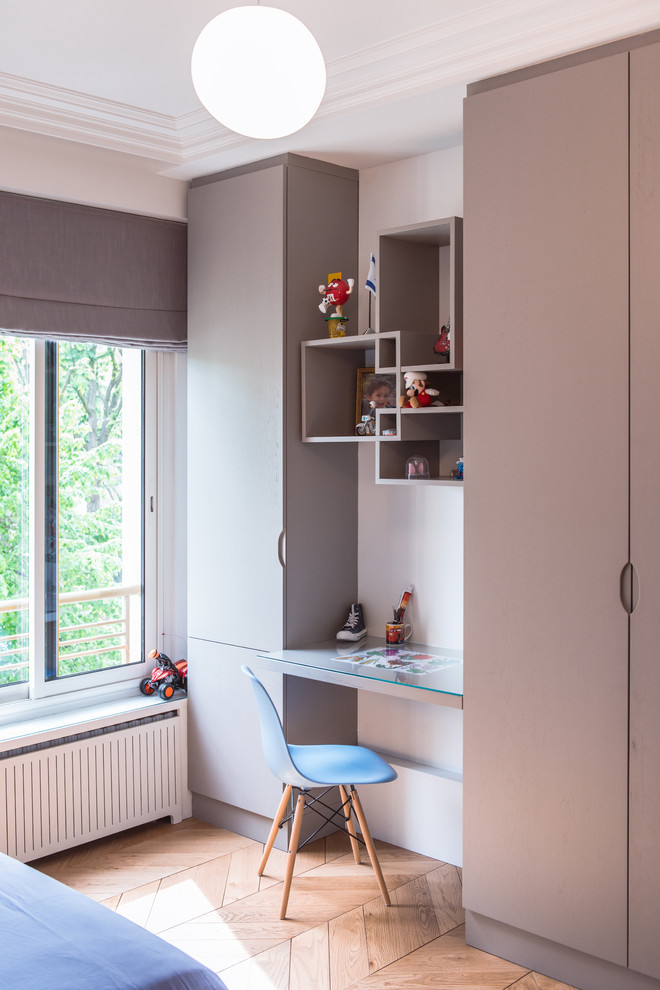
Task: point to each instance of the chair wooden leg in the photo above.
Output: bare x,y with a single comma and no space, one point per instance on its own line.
350,824
293,849
371,849
274,829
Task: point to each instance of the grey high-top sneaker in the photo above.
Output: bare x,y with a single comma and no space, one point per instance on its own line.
354,628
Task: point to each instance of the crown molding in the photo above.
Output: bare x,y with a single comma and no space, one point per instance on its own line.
496,37
490,39
73,116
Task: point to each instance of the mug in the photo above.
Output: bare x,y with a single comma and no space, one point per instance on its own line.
397,632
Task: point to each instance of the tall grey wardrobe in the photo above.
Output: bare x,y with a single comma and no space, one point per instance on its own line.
562,520
272,522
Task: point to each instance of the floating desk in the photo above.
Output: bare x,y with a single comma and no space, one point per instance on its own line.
329,662
424,779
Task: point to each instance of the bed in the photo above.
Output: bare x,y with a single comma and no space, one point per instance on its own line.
54,938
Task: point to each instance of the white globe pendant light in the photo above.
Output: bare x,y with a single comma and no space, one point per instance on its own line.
259,71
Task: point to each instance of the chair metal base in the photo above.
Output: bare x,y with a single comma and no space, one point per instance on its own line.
350,809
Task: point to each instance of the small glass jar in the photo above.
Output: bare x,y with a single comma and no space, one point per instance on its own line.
417,467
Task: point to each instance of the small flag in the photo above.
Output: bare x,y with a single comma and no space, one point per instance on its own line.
370,284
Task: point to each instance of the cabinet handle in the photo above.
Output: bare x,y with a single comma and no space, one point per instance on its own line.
281,548
629,588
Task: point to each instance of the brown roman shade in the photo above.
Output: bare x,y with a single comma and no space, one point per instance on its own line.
80,273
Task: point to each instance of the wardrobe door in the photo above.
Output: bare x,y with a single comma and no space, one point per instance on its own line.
645,511
546,505
235,410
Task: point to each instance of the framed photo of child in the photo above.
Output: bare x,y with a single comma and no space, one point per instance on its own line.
376,388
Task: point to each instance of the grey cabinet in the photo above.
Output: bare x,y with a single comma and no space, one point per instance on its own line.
236,391
645,518
272,524
550,315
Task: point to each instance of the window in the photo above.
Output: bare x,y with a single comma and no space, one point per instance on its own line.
14,510
74,446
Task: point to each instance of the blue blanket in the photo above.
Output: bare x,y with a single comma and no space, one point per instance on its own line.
53,938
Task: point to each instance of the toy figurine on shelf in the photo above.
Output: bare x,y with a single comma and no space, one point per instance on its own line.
367,426
336,294
417,391
457,473
442,346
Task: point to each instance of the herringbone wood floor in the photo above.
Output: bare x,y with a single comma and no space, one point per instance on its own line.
197,886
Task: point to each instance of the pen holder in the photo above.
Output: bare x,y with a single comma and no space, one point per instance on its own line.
397,632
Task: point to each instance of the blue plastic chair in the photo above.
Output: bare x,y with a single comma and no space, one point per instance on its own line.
306,767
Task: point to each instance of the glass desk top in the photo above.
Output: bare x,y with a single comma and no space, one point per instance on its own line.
413,670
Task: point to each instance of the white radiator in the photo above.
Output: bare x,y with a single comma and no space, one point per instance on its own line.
65,789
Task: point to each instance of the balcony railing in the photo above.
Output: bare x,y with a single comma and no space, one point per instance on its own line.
77,643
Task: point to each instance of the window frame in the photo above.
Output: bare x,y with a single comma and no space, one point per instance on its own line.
22,700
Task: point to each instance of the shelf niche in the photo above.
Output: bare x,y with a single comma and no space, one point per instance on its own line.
329,387
419,291
420,283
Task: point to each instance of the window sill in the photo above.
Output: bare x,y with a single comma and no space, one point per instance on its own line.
63,714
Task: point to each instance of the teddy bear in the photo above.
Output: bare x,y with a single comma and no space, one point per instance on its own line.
417,392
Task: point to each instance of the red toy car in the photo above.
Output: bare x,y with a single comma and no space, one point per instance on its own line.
166,677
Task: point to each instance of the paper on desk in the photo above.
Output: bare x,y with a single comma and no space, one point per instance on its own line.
400,658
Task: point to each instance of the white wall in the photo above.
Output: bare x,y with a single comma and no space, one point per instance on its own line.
79,173
411,536
406,535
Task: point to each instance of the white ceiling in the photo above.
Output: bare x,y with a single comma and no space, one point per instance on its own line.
115,73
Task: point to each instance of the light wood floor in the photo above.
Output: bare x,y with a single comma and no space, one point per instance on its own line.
196,886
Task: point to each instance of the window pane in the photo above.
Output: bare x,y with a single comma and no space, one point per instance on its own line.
94,500
14,509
